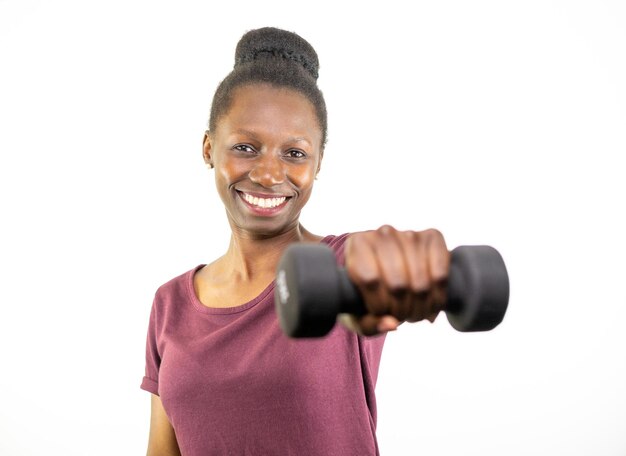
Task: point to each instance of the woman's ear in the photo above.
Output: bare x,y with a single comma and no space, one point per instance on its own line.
319,164
206,149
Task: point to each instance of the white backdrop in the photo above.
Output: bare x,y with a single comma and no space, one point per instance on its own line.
496,122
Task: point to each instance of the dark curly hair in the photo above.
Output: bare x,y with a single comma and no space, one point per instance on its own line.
277,57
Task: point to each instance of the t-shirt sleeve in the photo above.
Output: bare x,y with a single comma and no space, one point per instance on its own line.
150,380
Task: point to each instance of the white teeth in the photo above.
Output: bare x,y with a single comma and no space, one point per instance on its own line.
264,202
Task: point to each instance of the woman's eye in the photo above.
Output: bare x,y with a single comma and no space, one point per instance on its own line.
244,148
295,153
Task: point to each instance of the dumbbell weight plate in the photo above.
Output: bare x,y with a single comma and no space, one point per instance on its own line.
308,290
478,288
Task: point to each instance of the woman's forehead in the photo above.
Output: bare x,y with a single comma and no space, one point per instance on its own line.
267,99
258,108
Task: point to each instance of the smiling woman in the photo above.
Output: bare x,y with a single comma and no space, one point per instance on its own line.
267,150
224,378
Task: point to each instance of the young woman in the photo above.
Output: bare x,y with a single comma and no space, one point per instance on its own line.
224,379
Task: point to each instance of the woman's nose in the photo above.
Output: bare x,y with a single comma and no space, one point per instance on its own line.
268,171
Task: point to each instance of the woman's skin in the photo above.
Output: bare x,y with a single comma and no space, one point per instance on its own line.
268,146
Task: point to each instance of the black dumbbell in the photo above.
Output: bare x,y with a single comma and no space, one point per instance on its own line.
311,290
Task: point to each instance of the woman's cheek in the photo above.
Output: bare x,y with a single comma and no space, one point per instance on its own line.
230,169
304,177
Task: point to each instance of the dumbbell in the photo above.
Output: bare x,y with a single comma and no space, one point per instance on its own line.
312,290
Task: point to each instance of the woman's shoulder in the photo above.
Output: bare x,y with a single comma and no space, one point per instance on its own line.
337,244
177,286
335,241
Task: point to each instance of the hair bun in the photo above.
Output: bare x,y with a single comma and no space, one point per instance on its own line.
270,42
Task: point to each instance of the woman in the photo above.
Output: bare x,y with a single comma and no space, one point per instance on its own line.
224,379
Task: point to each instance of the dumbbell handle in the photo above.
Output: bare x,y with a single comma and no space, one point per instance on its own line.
477,279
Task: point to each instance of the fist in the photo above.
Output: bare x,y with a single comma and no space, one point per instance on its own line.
402,276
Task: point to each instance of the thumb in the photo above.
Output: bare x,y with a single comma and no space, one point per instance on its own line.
369,325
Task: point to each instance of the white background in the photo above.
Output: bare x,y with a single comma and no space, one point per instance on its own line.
499,123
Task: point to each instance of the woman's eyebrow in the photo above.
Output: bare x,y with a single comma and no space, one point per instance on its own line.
244,132
298,139
251,134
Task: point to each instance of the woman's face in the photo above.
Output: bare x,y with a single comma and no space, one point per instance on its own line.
266,151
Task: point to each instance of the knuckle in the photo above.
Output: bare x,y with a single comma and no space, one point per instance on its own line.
419,288
386,230
396,284
397,288
368,281
440,277
433,234
419,279
441,268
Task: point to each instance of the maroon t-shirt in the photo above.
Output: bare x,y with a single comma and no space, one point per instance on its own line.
232,383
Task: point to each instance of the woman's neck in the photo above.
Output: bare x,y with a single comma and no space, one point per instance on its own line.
253,258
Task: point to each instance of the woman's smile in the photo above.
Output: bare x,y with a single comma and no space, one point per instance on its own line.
263,204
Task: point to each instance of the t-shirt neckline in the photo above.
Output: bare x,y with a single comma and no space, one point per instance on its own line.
197,304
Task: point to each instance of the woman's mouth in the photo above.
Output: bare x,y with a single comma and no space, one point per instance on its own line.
263,204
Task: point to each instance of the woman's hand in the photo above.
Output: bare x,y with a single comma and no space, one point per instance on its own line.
402,276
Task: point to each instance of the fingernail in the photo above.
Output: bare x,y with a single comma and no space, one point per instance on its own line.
386,326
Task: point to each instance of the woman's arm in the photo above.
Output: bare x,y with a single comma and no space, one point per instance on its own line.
162,440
